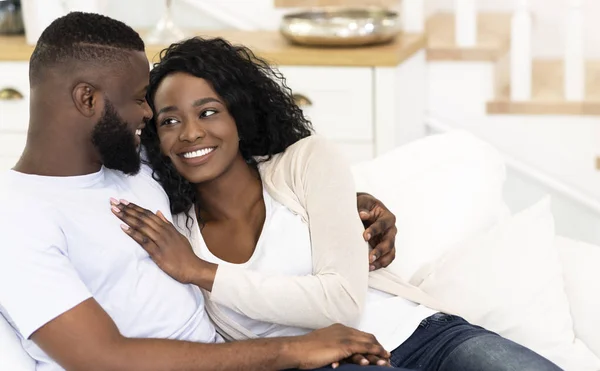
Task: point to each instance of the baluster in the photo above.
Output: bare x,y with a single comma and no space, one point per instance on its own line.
520,52
413,16
465,25
574,67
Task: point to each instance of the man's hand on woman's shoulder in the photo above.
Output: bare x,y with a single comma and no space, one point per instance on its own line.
380,230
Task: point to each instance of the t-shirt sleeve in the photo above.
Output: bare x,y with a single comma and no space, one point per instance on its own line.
37,280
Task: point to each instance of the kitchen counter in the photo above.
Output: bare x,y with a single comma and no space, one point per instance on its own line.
271,46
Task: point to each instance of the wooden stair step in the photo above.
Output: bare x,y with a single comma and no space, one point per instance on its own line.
547,92
493,38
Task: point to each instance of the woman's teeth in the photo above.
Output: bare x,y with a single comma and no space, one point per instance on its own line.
138,132
199,153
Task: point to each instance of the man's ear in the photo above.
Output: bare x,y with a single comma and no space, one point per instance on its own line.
85,97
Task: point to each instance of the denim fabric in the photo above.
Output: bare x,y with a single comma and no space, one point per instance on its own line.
449,343
357,368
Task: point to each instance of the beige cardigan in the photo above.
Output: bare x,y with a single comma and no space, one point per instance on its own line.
312,180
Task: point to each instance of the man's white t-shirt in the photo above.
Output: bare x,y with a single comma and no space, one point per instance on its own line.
60,245
284,247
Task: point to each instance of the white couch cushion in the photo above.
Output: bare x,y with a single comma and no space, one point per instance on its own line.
581,263
12,355
442,189
510,281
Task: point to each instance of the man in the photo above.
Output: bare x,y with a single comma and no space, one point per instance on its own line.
81,294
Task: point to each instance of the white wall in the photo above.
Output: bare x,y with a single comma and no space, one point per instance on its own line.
146,13
558,151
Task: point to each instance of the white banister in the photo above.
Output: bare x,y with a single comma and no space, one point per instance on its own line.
465,25
574,67
413,16
520,52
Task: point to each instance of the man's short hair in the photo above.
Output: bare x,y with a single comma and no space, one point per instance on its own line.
82,37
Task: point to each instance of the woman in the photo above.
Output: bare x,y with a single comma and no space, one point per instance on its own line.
271,215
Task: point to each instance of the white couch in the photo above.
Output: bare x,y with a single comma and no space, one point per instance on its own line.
458,241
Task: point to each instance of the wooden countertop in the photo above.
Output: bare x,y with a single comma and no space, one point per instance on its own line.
493,38
271,46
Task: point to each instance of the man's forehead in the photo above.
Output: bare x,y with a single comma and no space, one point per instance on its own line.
135,74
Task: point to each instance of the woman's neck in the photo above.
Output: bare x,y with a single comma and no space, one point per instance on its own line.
233,195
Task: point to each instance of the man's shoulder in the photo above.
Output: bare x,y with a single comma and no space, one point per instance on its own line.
13,191
144,178
25,213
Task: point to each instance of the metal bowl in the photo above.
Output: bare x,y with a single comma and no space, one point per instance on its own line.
341,26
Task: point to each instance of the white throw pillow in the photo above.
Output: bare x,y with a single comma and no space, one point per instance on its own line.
12,355
510,281
581,263
442,189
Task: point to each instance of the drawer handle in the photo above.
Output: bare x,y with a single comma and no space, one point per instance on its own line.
10,94
301,100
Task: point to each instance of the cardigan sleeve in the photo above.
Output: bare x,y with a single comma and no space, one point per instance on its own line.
335,292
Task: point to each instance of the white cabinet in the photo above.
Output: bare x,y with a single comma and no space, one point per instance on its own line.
366,111
14,111
341,99
339,103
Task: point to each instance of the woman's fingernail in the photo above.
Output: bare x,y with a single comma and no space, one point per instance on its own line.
124,202
373,258
368,236
364,362
371,268
116,209
114,201
124,227
381,362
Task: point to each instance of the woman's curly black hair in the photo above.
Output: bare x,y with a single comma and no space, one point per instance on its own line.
256,95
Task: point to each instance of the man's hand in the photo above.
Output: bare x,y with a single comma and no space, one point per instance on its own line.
337,343
380,230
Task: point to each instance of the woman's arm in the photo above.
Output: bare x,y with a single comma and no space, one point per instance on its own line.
322,182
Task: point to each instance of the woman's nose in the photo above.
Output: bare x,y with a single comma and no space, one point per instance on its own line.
191,131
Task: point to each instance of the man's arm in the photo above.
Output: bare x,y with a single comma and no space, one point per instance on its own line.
86,338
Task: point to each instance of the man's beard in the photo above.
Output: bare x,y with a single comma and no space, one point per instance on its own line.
115,142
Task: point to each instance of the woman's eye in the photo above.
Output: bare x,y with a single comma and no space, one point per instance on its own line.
168,122
208,112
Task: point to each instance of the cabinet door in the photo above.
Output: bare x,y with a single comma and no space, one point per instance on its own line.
11,147
7,163
338,100
14,113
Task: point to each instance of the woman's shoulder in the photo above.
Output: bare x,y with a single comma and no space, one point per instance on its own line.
304,151
311,143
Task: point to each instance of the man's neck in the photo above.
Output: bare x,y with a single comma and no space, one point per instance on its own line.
50,155
233,195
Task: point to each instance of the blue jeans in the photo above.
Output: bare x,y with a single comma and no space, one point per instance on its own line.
357,368
448,343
